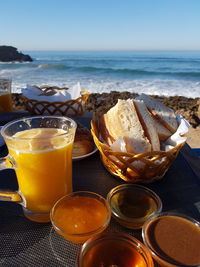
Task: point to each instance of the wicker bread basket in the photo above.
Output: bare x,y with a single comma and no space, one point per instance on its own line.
120,164
73,107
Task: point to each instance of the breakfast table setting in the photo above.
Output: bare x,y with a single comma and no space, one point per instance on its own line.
25,242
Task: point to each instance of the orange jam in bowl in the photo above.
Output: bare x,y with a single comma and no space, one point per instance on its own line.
80,215
114,249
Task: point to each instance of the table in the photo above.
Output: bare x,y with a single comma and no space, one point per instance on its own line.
26,243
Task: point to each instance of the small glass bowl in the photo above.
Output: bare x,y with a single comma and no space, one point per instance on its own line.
80,215
131,204
164,235
114,249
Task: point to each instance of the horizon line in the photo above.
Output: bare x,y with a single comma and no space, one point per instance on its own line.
110,50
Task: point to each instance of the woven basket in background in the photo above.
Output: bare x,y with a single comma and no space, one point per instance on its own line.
152,165
73,107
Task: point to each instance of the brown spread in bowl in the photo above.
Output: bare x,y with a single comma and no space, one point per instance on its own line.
173,240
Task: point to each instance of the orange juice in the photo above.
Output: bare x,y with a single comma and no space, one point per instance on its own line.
43,157
5,103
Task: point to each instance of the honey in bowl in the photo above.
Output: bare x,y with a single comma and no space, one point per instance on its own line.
132,205
114,249
173,239
80,215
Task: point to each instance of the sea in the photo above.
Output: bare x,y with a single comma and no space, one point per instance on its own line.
166,73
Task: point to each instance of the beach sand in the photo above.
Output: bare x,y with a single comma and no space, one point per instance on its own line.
193,138
189,108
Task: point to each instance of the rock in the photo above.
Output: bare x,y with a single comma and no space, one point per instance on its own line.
198,112
10,53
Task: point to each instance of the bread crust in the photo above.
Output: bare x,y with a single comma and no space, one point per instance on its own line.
148,124
104,130
163,114
162,131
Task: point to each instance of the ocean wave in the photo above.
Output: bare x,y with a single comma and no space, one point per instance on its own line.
139,72
53,66
22,65
127,72
9,71
13,62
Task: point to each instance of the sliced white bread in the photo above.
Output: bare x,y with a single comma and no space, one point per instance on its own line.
122,120
105,129
165,115
147,124
163,132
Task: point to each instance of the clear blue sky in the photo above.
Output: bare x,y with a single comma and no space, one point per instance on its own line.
100,24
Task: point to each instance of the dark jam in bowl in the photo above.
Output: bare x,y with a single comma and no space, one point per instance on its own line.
114,249
173,240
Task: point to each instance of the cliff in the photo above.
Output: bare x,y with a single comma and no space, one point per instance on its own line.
10,53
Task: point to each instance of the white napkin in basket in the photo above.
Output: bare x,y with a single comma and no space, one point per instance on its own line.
180,136
32,92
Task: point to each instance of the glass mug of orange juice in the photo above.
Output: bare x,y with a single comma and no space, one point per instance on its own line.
5,95
40,152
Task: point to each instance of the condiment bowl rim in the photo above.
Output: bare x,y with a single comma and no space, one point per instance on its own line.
125,237
163,214
82,193
148,191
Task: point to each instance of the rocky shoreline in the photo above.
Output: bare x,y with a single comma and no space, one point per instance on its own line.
189,108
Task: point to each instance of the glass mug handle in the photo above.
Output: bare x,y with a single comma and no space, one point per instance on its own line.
8,163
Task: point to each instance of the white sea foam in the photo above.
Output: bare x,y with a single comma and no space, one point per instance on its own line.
149,86
8,71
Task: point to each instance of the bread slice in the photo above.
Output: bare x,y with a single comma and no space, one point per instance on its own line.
165,115
148,124
163,133
122,120
105,129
